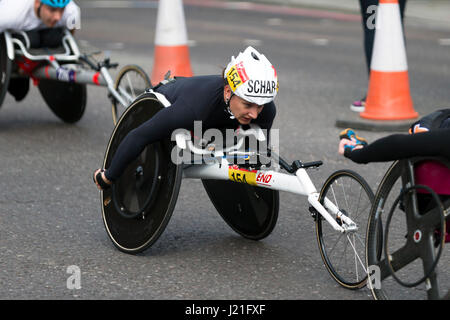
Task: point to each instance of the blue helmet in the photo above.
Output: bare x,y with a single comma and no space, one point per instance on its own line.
56,3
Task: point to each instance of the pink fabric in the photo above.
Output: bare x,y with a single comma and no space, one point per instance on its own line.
435,175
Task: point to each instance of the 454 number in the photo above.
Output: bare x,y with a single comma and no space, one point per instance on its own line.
238,177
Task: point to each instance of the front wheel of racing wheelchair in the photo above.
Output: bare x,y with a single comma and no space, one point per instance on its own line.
344,254
131,81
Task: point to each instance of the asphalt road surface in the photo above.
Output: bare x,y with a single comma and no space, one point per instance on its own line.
50,217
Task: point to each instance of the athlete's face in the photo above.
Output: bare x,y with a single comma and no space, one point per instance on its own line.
49,15
243,110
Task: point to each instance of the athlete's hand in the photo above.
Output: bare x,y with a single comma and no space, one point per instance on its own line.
346,142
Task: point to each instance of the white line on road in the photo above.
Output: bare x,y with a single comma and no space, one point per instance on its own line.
120,4
321,42
252,42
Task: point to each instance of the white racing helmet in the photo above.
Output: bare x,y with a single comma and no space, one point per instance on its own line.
252,77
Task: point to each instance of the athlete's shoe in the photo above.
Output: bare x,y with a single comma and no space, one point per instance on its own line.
358,105
349,134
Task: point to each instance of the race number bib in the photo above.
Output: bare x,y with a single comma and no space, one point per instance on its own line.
236,76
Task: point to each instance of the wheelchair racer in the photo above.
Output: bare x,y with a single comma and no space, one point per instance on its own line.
243,94
43,21
429,136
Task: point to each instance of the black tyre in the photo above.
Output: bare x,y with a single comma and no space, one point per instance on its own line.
344,253
5,68
66,100
131,81
403,242
139,205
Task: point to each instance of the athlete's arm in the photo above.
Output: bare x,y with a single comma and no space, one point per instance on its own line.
401,146
160,126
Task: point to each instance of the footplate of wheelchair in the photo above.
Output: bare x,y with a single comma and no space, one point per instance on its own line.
138,207
250,211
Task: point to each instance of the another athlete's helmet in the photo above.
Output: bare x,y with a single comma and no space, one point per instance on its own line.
252,77
56,3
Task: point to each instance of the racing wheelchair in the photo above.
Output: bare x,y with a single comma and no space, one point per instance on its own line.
62,74
243,184
407,230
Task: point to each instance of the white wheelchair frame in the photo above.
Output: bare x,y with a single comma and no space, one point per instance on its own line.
297,183
72,55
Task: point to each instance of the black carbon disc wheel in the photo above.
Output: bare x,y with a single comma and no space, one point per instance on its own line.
66,100
250,211
138,187
138,207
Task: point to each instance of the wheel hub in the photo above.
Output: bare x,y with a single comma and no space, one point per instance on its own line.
417,236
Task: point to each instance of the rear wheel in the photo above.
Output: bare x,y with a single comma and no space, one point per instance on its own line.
250,211
405,238
139,205
66,100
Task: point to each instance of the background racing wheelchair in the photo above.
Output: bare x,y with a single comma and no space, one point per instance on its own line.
61,73
407,231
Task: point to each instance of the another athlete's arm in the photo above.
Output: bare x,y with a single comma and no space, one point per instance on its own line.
401,146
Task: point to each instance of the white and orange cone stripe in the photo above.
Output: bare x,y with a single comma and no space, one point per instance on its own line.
388,96
171,43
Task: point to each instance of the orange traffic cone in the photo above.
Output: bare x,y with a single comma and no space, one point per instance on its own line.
171,49
388,96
